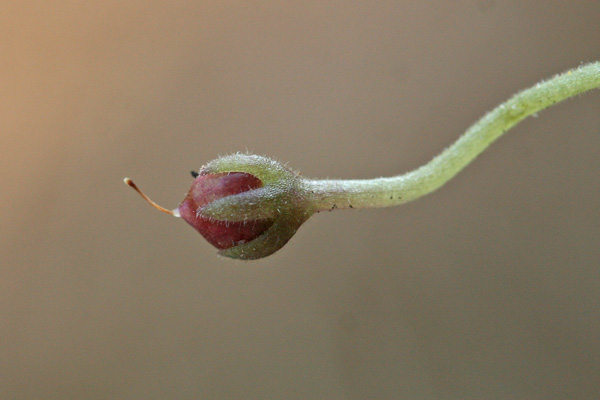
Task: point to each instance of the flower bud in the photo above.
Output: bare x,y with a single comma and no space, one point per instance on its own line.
247,206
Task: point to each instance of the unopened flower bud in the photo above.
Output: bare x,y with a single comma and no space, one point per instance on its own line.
246,206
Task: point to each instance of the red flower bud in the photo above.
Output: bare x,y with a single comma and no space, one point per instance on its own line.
207,188
246,206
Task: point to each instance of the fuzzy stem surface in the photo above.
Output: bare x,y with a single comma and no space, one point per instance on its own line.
391,191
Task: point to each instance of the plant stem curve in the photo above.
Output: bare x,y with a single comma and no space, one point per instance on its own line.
396,190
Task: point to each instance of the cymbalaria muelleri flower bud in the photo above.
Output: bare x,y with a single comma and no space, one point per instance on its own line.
249,206
246,206
271,209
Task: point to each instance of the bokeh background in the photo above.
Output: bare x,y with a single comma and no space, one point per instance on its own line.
488,288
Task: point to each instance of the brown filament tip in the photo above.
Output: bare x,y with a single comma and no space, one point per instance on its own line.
129,182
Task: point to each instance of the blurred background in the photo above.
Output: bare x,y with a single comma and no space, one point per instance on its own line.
488,288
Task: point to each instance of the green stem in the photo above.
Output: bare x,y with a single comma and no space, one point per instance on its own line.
385,192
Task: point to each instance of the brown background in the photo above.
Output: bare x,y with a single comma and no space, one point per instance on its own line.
487,289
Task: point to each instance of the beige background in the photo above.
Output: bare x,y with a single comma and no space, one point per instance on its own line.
487,289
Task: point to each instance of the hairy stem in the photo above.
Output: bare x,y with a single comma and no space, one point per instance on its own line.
385,192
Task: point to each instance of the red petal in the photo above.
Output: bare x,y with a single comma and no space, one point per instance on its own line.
210,187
